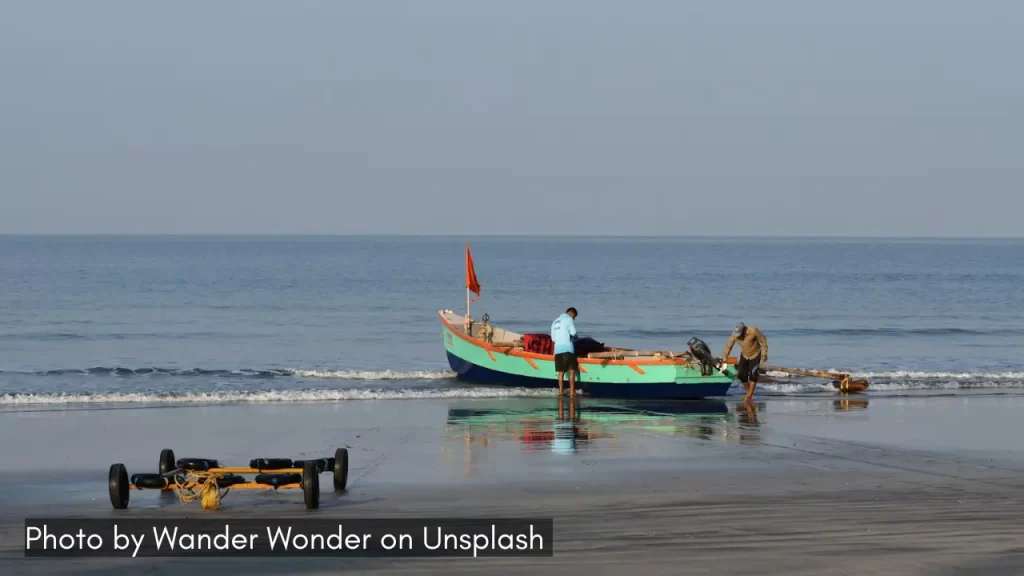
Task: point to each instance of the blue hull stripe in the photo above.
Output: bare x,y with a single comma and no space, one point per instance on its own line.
470,372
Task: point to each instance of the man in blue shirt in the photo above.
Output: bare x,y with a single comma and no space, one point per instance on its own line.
563,333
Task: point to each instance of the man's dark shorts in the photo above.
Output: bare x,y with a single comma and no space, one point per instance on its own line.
566,362
747,369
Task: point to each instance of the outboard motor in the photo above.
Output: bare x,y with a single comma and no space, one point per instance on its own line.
702,353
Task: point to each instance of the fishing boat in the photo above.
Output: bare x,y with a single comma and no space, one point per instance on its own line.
482,353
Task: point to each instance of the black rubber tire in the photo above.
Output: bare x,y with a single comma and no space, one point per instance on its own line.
167,464
340,469
322,464
150,481
197,463
229,480
310,486
276,480
118,481
269,464
167,461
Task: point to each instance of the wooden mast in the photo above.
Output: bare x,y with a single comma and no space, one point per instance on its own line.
472,284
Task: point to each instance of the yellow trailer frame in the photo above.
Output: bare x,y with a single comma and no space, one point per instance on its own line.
200,478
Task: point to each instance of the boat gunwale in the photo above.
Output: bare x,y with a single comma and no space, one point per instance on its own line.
551,357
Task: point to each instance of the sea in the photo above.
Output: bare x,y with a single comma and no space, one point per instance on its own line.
130,320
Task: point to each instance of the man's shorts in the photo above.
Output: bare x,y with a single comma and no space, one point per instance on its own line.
566,362
747,369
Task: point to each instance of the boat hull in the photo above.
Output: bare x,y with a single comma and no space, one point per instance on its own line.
475,362
469,372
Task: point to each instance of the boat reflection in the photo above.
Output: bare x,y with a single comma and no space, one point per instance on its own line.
563,426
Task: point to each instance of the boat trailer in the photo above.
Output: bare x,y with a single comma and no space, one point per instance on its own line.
203,478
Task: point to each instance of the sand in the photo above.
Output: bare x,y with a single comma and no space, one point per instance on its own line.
803,486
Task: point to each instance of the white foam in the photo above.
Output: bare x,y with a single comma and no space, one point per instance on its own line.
909,374
267,396
793,388
376,374
915,375
122,372
801,388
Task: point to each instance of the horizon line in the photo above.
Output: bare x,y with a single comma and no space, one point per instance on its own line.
486,235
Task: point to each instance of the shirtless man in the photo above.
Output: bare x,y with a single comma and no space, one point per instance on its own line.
753,351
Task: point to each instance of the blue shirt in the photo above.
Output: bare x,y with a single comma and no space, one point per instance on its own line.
562,331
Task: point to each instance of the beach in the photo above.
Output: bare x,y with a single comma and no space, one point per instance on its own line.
799,486
113,349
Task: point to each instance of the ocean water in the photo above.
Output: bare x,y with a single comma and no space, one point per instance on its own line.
260,319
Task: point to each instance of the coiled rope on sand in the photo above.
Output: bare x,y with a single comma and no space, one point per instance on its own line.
209,495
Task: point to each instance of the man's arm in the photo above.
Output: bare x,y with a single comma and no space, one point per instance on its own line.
764,344
728,347
572,328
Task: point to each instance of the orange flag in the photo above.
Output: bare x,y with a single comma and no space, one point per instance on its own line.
471,281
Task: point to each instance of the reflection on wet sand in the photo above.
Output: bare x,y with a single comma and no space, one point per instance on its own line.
749,425
847,404
564,426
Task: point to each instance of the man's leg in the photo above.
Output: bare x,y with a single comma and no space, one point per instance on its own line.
745,374
572,383
560,390
751,377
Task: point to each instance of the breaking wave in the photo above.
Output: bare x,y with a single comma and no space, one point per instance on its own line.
899,381
912,375
270,396
381,375
371,375
924,376
167,386
375,374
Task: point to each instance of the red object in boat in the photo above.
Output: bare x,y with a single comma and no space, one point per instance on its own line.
539,343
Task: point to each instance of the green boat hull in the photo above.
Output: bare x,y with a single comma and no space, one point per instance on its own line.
475,362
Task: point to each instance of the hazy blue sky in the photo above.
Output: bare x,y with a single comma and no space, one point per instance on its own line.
632,117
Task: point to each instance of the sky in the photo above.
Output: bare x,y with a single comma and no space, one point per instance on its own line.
857,118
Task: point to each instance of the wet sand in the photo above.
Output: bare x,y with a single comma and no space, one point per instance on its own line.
801,486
